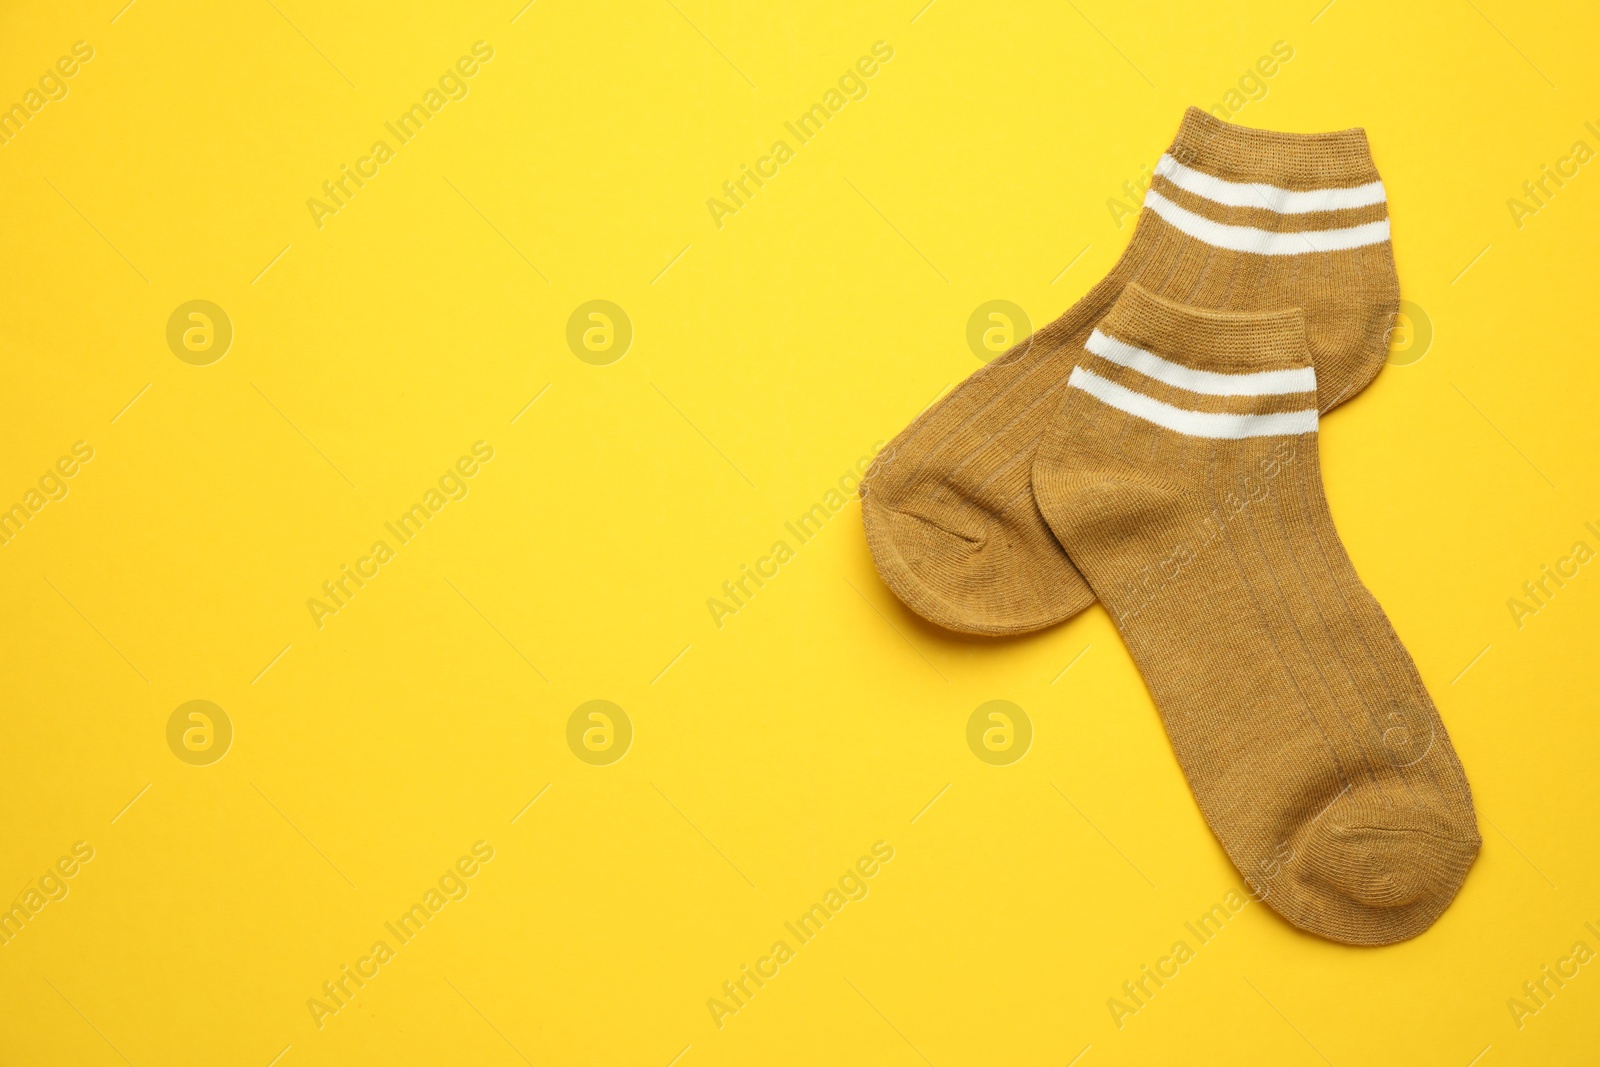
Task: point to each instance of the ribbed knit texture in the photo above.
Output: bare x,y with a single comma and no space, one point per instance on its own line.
949,511
1305,732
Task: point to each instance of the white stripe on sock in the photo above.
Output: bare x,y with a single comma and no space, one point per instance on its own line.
1256,383
1265,242
1192,423
1271,197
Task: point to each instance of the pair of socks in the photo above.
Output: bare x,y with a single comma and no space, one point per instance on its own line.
1155,448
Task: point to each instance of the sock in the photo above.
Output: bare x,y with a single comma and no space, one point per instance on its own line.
1181,474
1235,218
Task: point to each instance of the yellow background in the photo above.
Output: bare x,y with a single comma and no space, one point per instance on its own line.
768,356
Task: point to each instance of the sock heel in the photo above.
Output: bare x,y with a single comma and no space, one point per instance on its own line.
1095,505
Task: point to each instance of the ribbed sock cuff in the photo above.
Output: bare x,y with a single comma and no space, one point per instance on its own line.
1299,161
1222,341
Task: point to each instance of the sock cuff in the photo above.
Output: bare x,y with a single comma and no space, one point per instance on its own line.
1300,162
1218,341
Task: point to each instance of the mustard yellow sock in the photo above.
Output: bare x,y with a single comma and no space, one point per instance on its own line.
1181,475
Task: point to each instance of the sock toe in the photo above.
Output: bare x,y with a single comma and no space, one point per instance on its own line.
1387,867
980,580
1374,874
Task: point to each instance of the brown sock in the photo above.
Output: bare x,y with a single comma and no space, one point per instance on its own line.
1181,474
1236,219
